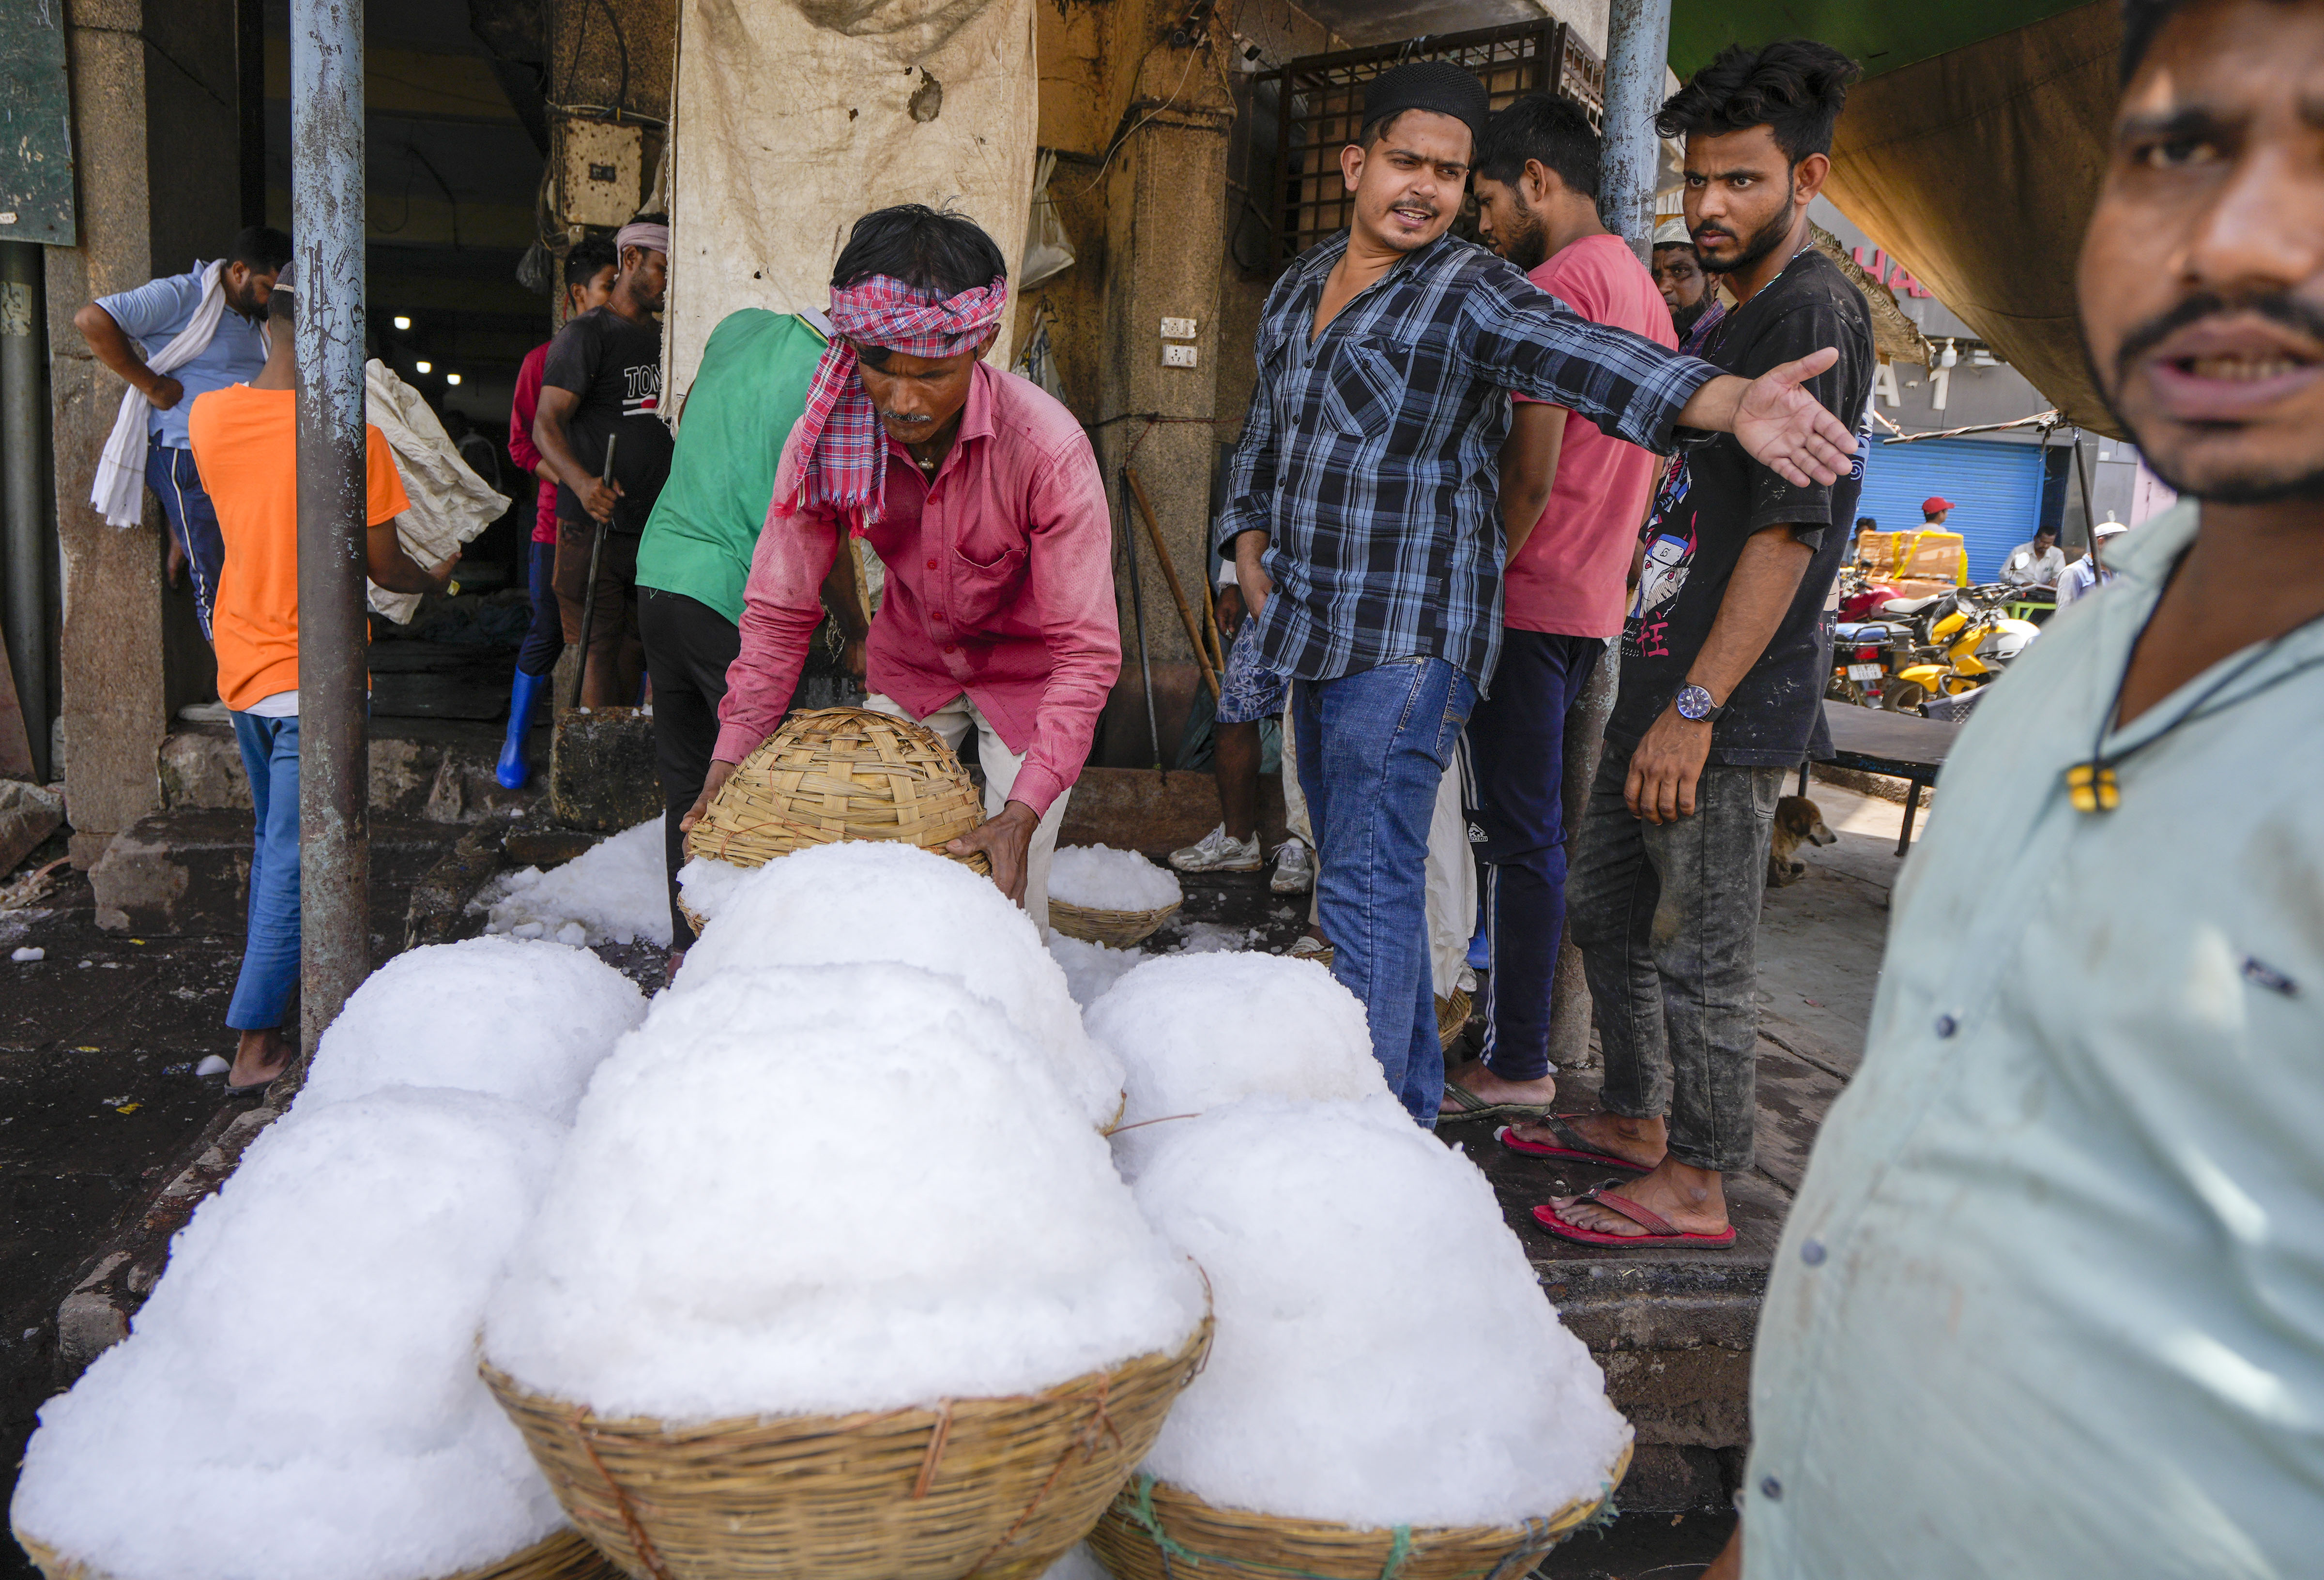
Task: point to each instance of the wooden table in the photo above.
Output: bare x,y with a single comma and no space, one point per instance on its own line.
1873,740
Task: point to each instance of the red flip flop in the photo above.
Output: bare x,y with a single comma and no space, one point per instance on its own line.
1660,1231
1575,1150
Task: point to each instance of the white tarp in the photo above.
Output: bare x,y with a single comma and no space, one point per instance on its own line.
795,118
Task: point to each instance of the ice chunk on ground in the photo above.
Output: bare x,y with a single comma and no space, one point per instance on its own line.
213,1065
703,884
617,890
828,1188
1078,1564
880,900
1092,967
1196,1031
1212,938
1352,1258
522,1021
26,956
1103,878
299,1399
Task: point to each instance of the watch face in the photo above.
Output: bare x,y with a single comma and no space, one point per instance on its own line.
1694,703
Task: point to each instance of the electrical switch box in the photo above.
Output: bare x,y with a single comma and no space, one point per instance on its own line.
1177,357
604,165
1177,328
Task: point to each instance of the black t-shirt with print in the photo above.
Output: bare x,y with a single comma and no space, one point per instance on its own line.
614,366
1717,498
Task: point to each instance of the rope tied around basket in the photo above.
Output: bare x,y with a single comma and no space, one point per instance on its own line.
1141,1509
1100,1423
935,1451
639,1539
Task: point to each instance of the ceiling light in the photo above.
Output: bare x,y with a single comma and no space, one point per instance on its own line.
401,322
424,367
451,378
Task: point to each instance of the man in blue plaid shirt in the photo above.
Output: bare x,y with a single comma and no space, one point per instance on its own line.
1362,519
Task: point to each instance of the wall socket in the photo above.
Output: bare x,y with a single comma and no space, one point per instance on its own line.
1177,328
1177,357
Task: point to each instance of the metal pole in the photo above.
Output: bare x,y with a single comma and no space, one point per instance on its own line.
30,544
1637,42
326,220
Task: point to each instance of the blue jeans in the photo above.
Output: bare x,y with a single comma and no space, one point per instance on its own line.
545,640
193,521
1517,755
1373,749
270,950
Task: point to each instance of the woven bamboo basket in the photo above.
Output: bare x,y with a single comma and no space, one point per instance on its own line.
563,1556
832,773
996,1488
1118,929
1233,1544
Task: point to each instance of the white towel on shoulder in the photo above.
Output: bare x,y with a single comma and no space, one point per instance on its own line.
118,490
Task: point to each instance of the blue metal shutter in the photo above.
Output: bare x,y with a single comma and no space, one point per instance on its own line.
1996,489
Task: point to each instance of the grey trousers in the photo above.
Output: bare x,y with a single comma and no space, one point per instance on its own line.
1667,918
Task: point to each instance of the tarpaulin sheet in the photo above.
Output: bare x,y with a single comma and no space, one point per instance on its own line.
1977,169
795,117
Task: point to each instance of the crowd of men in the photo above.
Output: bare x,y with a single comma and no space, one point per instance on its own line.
2049,1301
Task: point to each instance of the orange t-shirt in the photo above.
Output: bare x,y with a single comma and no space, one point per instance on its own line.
245,445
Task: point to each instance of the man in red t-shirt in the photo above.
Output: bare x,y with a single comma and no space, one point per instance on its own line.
589,271
1572,499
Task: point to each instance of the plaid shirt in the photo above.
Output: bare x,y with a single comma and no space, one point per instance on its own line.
1371,456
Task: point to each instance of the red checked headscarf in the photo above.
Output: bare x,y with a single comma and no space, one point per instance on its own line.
844,453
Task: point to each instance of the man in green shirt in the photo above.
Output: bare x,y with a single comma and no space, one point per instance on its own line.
695,551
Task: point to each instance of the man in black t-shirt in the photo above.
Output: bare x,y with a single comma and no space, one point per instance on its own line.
603,383
1722,674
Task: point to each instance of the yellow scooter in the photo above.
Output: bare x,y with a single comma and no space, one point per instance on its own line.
1967,640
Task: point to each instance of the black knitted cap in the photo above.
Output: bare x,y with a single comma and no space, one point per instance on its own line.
1428,85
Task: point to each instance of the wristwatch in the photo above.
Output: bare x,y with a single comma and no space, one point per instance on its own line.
1693,704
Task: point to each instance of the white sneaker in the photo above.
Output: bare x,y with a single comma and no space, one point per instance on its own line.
1295,868
1217,853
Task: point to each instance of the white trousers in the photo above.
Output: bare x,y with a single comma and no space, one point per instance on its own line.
952,723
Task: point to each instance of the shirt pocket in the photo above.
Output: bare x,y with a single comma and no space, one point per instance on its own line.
1364,385
989,571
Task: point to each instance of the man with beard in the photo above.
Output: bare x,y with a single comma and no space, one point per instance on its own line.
1723,663
207,329
1362,517
2050,1300
1694,306
1570,500
601,385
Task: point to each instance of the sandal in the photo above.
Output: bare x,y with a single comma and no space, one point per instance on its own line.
1572,1148
1473,1107
1660,1231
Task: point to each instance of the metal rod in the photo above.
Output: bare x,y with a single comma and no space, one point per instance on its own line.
1170,575
327,217
589,591
31,541
1138,617
1637,41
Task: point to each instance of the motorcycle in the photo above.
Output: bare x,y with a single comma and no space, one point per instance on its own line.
1945,644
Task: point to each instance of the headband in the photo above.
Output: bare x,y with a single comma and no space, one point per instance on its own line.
654,238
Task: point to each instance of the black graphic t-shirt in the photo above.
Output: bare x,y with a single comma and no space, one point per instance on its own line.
614,366
1716,497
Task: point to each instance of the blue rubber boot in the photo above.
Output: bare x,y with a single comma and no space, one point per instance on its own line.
512,771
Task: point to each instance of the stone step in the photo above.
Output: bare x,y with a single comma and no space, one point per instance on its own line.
188,873
431,770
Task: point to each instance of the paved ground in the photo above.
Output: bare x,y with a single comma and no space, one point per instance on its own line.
98,1098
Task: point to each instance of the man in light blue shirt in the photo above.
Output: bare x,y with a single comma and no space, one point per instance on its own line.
131,329
2051,1301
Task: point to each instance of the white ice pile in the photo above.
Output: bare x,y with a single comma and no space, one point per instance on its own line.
1092,967
299,1400
820,1188
617,891
1350,1253
880,900
1078,1564
1102,879
1196,1031
524,1021
705,885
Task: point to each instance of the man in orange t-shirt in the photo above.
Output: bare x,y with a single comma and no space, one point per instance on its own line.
246,443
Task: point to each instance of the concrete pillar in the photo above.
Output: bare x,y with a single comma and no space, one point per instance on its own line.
154,155
1165,246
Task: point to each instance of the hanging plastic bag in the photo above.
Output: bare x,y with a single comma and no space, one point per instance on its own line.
1048,252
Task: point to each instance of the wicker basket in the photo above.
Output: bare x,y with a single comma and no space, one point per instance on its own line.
833,773
1233,1544
998,1488
1118,929
563,1556
1452,1015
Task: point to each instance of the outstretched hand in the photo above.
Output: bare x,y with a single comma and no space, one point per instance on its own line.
1787,429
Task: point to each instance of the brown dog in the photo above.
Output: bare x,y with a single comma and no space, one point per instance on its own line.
1797,819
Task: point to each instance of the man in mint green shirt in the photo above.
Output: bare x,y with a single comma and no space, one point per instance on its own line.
2051,1301
695,550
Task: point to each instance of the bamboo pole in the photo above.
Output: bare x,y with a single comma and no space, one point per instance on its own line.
1170,575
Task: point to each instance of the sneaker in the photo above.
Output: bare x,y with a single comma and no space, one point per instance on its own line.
1295,868
1217,853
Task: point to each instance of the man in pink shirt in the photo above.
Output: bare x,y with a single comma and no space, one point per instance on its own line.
1572,499
981,497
